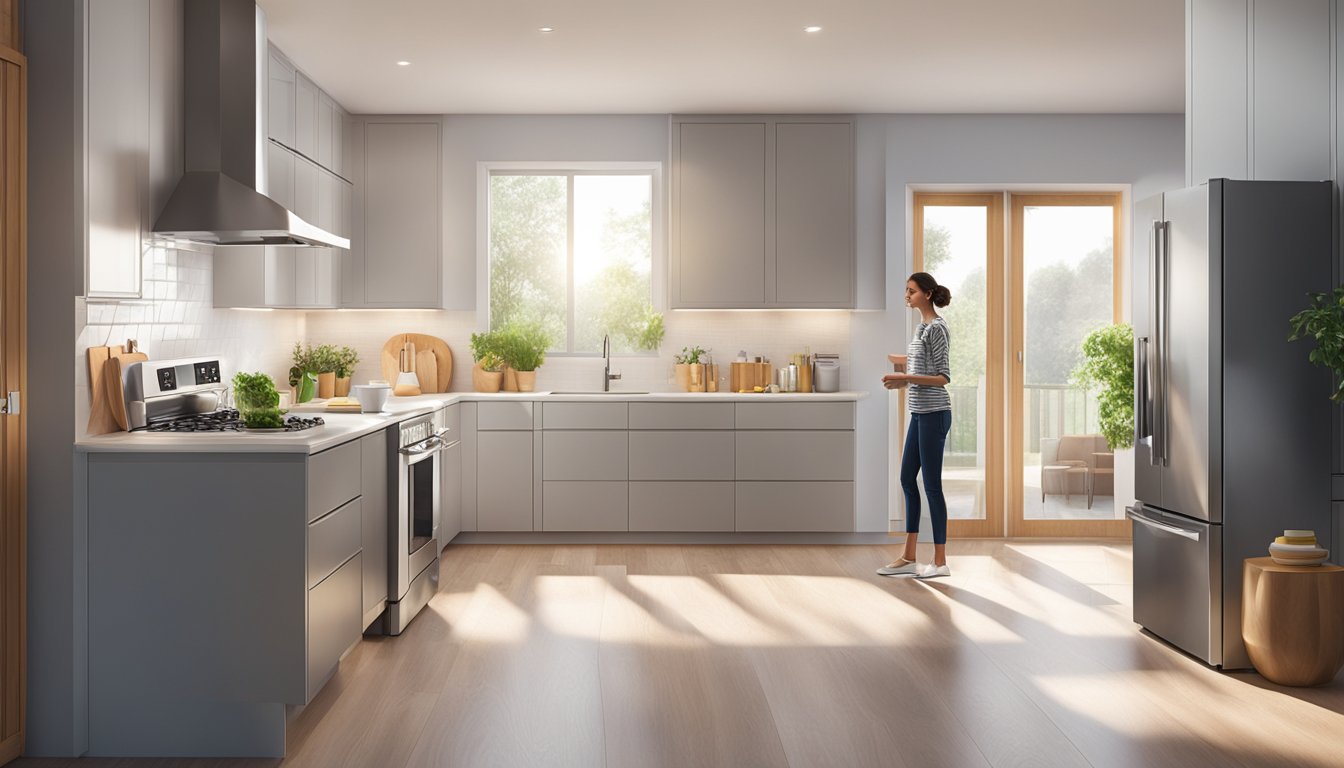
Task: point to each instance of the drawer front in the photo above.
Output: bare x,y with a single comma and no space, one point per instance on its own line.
450,418
787,455
333,622
668,455
510,415
585,506
681,415
795,506
333,539
333,478
682,506
584,416
795,415
584,455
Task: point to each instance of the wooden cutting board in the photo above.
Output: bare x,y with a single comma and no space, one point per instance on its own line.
107,411
443,360
114,377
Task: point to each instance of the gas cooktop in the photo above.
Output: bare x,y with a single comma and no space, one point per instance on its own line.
227,420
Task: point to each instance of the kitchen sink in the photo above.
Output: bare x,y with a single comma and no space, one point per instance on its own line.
595,392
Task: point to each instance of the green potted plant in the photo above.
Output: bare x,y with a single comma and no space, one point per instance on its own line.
325,361
346,360
523,348
488,373
303,376
1323,322
1108,367
689,368
257,401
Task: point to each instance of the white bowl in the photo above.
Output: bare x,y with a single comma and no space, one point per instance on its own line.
372,397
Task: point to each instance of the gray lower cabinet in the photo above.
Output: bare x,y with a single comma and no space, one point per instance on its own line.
795,506
333,621
503,480
795,455
585,505
585,455
450,510
682,506
682,455
376,466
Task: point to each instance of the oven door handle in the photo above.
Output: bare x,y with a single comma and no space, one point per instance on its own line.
426,446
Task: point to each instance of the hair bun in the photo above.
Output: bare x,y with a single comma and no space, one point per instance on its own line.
942,296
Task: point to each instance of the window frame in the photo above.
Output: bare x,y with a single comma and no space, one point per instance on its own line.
658,269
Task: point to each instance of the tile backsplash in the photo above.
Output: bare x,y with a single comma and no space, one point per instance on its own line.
177,318
771,334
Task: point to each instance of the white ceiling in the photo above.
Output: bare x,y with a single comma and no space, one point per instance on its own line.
686,56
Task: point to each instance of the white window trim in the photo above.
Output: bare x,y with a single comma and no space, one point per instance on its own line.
658,276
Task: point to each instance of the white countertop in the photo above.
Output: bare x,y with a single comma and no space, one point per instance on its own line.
342,427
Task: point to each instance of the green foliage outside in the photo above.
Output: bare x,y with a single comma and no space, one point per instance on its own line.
1108,366
1323,322
522,346
528,269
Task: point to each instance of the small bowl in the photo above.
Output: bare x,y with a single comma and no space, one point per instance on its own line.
372,397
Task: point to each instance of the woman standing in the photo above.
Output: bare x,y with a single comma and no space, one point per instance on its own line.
926,369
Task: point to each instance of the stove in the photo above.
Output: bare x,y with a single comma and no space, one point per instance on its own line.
226,420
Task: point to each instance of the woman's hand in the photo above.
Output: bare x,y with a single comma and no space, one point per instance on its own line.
898,361
895,380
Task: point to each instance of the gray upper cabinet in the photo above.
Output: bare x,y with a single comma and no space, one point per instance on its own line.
326,133
306,98
762,212
118,145
280,99
395,257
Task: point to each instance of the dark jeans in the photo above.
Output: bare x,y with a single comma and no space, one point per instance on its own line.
924,445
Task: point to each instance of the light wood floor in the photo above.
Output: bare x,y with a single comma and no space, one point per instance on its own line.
792,656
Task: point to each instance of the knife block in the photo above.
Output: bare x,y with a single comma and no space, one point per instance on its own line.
748,376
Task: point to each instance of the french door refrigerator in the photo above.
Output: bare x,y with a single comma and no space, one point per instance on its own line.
1233,425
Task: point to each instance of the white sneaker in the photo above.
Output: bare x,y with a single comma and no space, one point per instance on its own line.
901,567
932,571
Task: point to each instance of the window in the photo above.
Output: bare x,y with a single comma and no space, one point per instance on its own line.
573,250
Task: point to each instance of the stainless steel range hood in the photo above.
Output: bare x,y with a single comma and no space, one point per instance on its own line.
217,201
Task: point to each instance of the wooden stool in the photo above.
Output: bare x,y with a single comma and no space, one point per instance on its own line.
1292,619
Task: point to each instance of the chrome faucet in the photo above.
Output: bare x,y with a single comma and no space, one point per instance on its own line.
607,375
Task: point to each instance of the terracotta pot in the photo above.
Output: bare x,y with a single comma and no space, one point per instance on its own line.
510,380
486,381
682,371
326,385
697,376
527,380
342,386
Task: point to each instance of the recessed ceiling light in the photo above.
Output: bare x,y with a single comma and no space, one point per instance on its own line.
545,29
811,30
403,63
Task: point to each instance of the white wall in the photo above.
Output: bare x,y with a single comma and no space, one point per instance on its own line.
990,151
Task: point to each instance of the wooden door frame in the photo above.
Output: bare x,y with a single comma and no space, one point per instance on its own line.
992,525
13,377
1018,526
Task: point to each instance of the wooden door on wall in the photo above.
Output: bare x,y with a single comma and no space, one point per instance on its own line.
13,372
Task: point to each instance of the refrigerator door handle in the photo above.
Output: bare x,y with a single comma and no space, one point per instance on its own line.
1157,362
1132,515
1143,422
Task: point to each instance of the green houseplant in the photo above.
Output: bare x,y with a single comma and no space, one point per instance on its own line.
523,347
303,376
488,373
689,369
1323,322
1108,366
346,360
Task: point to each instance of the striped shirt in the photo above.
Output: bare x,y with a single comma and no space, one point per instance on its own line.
928,355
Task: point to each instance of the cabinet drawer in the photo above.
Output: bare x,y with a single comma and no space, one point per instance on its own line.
681,415
333,622
669,455
795,455
585,506
681,506
583,416
795,506
333,539
516,415
585,455
795,415
333,478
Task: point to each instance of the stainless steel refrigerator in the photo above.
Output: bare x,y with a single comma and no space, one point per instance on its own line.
1233,425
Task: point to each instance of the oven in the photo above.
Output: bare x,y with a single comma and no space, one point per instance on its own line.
413,550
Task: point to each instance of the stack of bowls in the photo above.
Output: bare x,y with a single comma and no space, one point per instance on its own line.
1297,548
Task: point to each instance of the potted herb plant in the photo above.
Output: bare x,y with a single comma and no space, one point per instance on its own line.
1323,322
523,348
346,360
257,401
325,361
689,369
488,373
303,376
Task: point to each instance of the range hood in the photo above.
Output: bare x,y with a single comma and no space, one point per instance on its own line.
217,202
